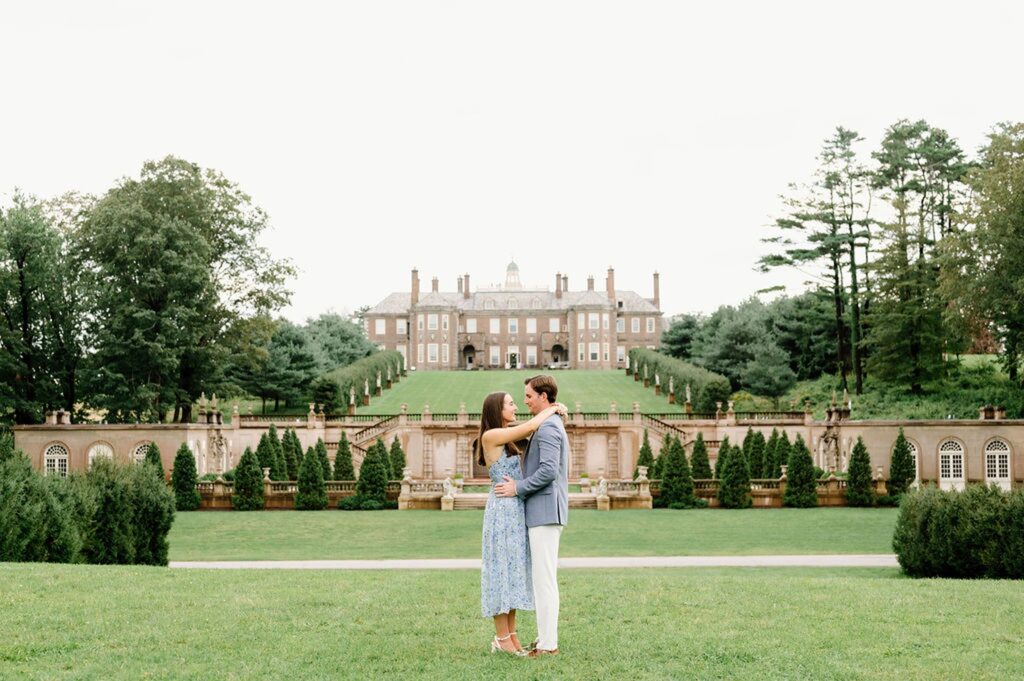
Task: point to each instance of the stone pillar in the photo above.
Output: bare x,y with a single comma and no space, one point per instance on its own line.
463,456
428,456
612,463
403,415
637,416
311,417
426,417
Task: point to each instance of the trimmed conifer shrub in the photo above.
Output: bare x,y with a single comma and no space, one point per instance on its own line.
768,462
111,534
723,451
291,454
152,505
978,532
801,487
183,480
372,484
343,468
734,479
265,454
645,458
36,524
699,464
321,455
781,455
154,459
278,468
312,494
248,494
676,483
756,456
859,488
901,467
397,457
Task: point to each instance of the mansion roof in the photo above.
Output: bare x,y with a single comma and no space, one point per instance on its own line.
488,301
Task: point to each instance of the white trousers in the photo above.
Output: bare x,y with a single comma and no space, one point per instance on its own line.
544,557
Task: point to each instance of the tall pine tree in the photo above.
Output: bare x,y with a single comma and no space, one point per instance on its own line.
248,494
184,479
677,482
397,457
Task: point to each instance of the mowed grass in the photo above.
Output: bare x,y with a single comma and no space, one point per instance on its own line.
99,622
337,535
444,390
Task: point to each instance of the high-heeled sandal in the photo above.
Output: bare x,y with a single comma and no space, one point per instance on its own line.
520,645
496,646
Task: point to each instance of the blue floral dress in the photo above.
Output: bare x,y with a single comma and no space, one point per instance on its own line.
505,582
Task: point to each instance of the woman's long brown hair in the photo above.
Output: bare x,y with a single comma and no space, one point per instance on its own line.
490,417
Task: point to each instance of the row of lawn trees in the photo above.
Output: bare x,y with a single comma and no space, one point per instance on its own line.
761,458
313,469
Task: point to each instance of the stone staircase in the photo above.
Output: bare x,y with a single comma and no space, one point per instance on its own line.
478,501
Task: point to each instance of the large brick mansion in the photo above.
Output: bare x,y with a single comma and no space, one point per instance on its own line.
510,326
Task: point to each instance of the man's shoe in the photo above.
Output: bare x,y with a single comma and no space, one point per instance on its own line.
533,646
537,652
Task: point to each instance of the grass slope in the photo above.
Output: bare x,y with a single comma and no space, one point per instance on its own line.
444,390
97,622
293,535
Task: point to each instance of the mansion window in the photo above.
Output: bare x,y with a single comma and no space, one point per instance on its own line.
594,349
635,325
531,325
554,325
495,355
401,324
444,322
55,460
531,355
620,353
471,325
951,465
583,351
419,322
495,325
419,353
513,325
997,463
445,357
604,321
620,324
432,353
581,321
379,326
100,450
140,451
650,325
604,351
594,321
432,322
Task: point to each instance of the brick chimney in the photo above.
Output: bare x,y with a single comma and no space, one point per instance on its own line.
460,284
610,284
465,286
565,283
433,285
558,285
657,292
590,283
415,286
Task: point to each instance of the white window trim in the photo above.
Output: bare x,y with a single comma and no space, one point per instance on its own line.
432,322
531,325
634,325
380,326
431,353
471,325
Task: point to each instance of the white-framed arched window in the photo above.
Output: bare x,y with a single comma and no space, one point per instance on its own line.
997,463
55,460
140,451
951,465
99,450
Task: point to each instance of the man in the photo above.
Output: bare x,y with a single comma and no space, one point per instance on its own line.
545,493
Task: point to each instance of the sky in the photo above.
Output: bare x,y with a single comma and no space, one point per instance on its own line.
457,136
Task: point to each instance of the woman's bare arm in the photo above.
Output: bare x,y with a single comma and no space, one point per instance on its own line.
496,437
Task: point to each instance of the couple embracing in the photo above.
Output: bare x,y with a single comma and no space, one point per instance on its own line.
526,510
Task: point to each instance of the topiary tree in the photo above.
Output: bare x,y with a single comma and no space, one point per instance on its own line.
901,467
734,479
279,467
859,490
768,464
723,450
801,487
372,484
265,454
756,455
397,457
321,455
153,459
645,458
152,504
110,538
343,469
299,456
676,482
183,480
248,494
312,494
781,456
699,464
291,454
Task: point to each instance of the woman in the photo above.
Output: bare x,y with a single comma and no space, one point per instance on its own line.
505,583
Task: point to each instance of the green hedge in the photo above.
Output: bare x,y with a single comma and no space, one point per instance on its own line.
975,533
706,387
356,374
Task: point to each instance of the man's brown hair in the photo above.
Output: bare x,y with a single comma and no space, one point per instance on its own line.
542,383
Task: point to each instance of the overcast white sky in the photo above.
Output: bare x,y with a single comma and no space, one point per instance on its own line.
453,136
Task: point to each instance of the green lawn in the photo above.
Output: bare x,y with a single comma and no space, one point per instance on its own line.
444,390
326,535
97,622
